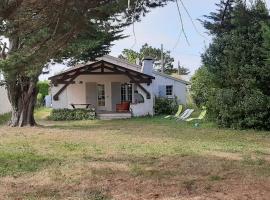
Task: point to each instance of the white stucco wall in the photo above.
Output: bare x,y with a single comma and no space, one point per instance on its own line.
63,98
76,93
146,108
4,102
179,89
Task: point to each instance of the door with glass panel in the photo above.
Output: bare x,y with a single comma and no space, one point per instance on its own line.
101,97
126,92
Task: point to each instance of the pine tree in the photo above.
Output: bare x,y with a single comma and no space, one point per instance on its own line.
236,64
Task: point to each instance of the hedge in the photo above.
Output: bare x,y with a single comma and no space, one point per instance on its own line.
165,106
75,114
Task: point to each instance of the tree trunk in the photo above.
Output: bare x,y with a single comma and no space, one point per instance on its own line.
22,96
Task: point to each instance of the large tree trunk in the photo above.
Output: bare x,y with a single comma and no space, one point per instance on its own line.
22,95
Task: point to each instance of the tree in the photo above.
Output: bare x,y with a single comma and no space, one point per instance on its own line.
235,64
181,70
201,87
155,53
39,31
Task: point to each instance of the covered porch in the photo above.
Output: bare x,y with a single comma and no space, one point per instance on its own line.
106,87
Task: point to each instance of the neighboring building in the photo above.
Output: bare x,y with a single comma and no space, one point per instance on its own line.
109,81
4,102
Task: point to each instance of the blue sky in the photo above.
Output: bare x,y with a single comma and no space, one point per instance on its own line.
162,26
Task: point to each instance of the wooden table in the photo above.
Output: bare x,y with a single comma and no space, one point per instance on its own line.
87,105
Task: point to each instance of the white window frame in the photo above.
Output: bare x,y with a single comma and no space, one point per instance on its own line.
127,88
169,95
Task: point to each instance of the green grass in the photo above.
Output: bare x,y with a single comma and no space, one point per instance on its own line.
4,118
125,159
42,113
18,163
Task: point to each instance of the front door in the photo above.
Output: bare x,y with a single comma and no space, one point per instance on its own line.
101,97
116,94
91,94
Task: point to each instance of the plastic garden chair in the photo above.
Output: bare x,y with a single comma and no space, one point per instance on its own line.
185,114
201,116
180,108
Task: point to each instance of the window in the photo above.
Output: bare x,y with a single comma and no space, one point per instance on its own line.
169,90
126,92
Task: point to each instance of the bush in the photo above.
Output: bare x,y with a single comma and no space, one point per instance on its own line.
4,118
43,88
241,110
165,106
75,114
40,100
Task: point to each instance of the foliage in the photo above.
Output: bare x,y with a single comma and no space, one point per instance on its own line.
236,73
43,91
75,114
4,118
165,106
43,88
40,100
201,87
181,70
43,31
155,53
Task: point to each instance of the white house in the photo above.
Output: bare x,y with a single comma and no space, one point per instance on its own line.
108,82
4,102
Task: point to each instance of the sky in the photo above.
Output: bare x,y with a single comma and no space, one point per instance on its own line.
162,26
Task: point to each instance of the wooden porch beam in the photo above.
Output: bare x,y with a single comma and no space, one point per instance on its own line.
148,95
56,96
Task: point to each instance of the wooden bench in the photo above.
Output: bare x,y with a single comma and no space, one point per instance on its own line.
87,105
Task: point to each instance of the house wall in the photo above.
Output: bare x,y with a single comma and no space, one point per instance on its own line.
76,93
63,98
5,106
179,89
146,108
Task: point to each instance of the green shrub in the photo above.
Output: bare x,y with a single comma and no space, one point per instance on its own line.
4,118
165,106
43,88
75,114
40,100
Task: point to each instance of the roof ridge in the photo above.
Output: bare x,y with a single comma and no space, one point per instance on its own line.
122,60
171,77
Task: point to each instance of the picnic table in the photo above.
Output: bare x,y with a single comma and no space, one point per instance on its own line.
87,105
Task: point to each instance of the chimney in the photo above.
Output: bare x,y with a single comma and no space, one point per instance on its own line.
147,66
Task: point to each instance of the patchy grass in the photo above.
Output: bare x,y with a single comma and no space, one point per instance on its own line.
17,163
42,113
141,158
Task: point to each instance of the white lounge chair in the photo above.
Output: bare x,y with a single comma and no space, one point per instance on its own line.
186,114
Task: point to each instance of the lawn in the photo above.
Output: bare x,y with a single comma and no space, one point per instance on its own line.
141,158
